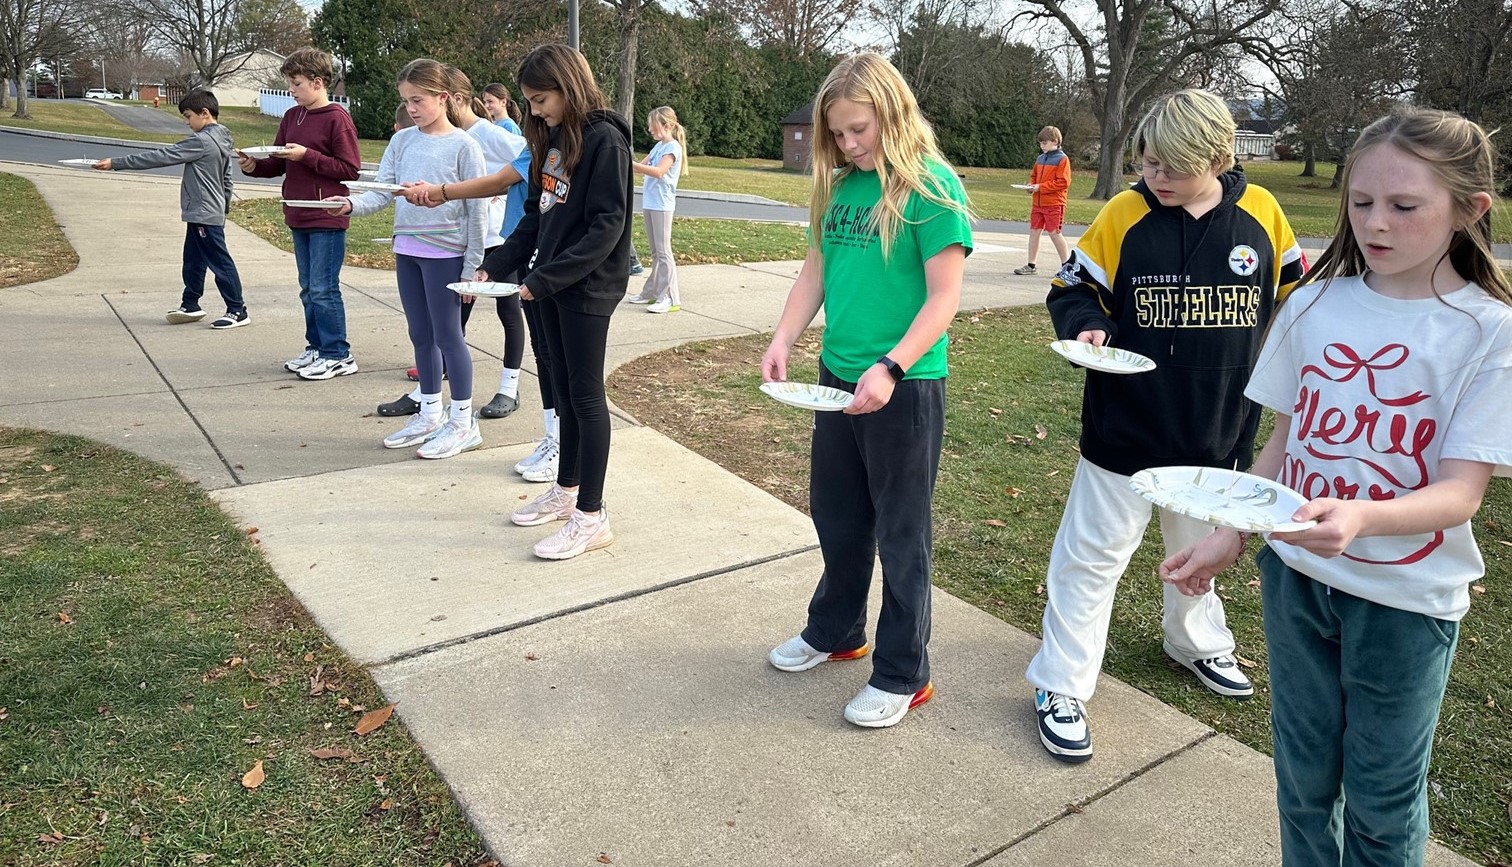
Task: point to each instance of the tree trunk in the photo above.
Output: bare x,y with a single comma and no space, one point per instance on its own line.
1310,161
4,93
21,107
1110,156
624,91
1338,175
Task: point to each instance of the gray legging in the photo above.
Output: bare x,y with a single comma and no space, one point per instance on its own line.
662,284
435,323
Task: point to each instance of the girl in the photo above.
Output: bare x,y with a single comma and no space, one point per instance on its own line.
575,237
891,231
662,170
509,180
1391,379
432,249
500,107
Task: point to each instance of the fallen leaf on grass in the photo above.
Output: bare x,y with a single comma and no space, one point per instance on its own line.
4,714
201,859
50,839
47,468
1490,702
251,530
332,753
388,804
1040,432
994,522
1014,492
64,619
317,686
247,705
1477,588
254,778
1247,663
373,720
1052,474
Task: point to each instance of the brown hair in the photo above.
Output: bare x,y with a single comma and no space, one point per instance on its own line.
559,67
430,76
312,63
501,93
402,120
461,86
1049,133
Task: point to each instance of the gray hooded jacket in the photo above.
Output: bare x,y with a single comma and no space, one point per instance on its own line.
205,194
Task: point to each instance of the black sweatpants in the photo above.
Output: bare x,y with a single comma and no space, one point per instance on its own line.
576,343
870,493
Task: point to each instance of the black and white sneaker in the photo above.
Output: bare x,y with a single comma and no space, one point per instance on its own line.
1063,726
181,315
231,320
1221,674
327,368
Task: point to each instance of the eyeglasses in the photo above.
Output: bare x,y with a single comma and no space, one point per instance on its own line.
1155,170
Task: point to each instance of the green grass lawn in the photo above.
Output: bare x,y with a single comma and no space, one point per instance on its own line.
695,241
32,247
1010,449
151,659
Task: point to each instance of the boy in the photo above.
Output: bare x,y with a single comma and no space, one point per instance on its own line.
319,152
1048,182
1186,268
204,199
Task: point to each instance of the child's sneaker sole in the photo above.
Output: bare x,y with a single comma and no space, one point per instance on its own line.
822,658
180,317
603,541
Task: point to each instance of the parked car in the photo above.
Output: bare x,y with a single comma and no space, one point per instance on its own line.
100,93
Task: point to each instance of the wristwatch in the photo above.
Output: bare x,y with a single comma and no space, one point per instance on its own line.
894,369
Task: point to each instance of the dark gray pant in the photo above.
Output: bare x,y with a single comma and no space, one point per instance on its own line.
870,493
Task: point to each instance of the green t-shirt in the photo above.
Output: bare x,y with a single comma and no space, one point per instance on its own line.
868,303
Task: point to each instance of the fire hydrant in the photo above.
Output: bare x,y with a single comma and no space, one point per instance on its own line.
154,102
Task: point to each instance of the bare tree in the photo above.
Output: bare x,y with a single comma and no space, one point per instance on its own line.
802,27
628,16
210,34
1136,49
29,31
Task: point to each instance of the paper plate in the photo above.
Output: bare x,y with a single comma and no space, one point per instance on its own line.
485,289
263,150
1228,498
807,396
383,241
373,186
315,203
367,175
1019,186
81,163
1107,359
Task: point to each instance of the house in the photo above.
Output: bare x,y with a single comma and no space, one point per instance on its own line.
797,153
243,75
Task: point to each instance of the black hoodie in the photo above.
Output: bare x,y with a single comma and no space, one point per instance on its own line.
575,235
1195,295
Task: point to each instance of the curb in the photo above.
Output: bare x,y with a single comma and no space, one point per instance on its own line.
114,142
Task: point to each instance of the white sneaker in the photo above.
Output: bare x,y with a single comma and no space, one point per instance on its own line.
639,299
554,505
874,709
581,533
1221,674
531,459
663,306
179,316
415,431
454,438
545,469
303,360
795,654
328,368
1063,727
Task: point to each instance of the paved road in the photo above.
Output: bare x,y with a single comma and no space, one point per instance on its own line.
138,117
47,151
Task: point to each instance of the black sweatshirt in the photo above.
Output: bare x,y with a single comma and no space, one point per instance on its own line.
1195,295
575,235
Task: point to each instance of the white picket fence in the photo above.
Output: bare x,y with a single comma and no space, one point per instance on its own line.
275,102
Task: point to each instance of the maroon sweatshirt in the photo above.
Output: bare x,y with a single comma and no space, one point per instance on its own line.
331,157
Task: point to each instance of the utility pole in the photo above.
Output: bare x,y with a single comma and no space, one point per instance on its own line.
572,24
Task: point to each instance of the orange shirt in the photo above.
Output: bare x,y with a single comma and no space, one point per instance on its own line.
1052,171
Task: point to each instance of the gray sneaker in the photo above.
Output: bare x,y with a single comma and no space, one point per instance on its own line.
1027,270
301,361
454,438
328,368
415,431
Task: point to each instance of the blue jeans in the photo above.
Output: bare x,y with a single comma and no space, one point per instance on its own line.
205,247
318,254
1355,694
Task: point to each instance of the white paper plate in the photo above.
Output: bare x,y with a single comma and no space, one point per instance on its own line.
383,240
1108,359
804,395
373,186
315,203
367,176
1019,186
81,163
485,289
1228,498
263,150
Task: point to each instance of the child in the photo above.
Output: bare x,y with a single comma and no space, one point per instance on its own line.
1392,382
1185,268
204,200
575,237
320,152
432,249
1048,182
542,463
662,169
887,249
500,107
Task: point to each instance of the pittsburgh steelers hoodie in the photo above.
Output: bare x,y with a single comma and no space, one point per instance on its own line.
1194,295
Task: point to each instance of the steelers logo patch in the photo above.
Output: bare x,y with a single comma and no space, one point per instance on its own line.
1243,260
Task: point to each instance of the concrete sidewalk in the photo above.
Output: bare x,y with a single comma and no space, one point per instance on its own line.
619,703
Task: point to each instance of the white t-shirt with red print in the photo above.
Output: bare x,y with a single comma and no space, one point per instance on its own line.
1379,391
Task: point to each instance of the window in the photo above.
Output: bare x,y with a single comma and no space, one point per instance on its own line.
798,135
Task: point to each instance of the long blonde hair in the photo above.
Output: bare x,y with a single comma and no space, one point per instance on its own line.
1463,159
430,76
905,145
664,116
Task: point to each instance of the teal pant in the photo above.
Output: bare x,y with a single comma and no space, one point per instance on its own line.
1355,694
